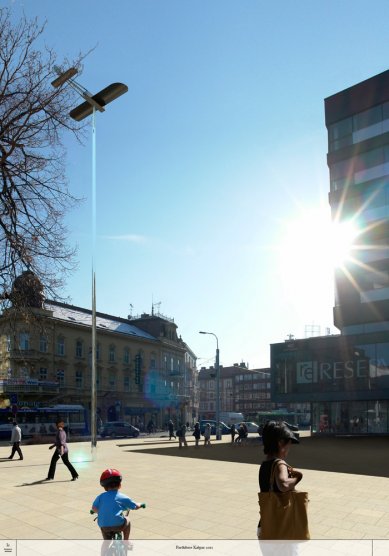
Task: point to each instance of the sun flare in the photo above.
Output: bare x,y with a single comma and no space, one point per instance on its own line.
311,248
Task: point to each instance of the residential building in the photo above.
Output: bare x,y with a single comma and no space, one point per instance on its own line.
144,370
242,390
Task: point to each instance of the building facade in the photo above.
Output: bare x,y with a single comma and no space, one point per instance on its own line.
144,370
340,383
345,378
357,120
242,390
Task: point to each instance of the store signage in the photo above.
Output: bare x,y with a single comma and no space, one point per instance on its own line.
308,372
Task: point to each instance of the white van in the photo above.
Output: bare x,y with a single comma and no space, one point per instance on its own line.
231,417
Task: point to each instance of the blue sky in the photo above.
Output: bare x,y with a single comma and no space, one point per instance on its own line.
211,171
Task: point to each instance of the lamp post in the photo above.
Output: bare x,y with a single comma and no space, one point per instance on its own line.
218,435
88,108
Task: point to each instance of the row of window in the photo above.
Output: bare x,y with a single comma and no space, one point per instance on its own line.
354,169
366,124
79,378
252,376
80,351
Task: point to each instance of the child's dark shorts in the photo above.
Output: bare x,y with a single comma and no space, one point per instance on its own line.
115,529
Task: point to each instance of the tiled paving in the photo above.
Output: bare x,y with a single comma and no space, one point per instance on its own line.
187,497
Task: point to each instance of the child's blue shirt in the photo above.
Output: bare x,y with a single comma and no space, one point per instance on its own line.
110,505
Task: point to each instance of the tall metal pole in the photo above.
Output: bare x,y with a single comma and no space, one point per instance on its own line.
218,434
88,108
93,377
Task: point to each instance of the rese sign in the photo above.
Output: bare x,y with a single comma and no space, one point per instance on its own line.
308,372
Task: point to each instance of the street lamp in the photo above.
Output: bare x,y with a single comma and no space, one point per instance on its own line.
88,108
218,435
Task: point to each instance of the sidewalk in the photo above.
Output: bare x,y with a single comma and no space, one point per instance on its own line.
186,497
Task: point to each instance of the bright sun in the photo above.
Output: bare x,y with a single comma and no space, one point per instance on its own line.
314,238
310,248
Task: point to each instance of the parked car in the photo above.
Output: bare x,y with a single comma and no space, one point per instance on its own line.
251,427
118,428
224,429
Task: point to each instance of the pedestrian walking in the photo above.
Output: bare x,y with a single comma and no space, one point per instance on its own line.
233,432
207,435
276,476
196,433
241,435
181,432
171,429
16,437
61,451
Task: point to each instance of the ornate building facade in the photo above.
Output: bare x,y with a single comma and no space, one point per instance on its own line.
144,370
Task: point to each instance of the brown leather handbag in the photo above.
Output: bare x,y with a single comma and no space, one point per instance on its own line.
284,515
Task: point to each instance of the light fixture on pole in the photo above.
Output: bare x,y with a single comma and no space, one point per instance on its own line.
218,433
88,108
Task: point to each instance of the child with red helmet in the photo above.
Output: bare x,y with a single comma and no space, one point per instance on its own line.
111,504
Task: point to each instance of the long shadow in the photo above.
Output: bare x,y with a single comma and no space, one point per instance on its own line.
356,455
41,482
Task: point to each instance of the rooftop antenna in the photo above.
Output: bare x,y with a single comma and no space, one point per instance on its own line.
131,309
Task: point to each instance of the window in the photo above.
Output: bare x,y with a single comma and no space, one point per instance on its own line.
43,373
61,377
24,341
43,344
79,348
61,345
112,354
126,383
367,118
79,379
153,363
111,379
126,356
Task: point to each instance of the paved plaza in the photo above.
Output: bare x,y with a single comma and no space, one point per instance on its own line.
188,496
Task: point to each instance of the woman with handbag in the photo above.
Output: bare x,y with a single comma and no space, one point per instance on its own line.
283,509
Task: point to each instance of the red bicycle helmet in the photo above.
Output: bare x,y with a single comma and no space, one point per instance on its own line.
110,477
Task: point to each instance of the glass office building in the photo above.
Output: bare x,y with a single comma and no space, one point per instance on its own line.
357,120
345,378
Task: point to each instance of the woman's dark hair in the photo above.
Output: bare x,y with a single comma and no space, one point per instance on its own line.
274,432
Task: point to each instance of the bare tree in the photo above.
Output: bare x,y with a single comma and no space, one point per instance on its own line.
34,196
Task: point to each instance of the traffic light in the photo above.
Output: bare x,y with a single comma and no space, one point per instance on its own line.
138,367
